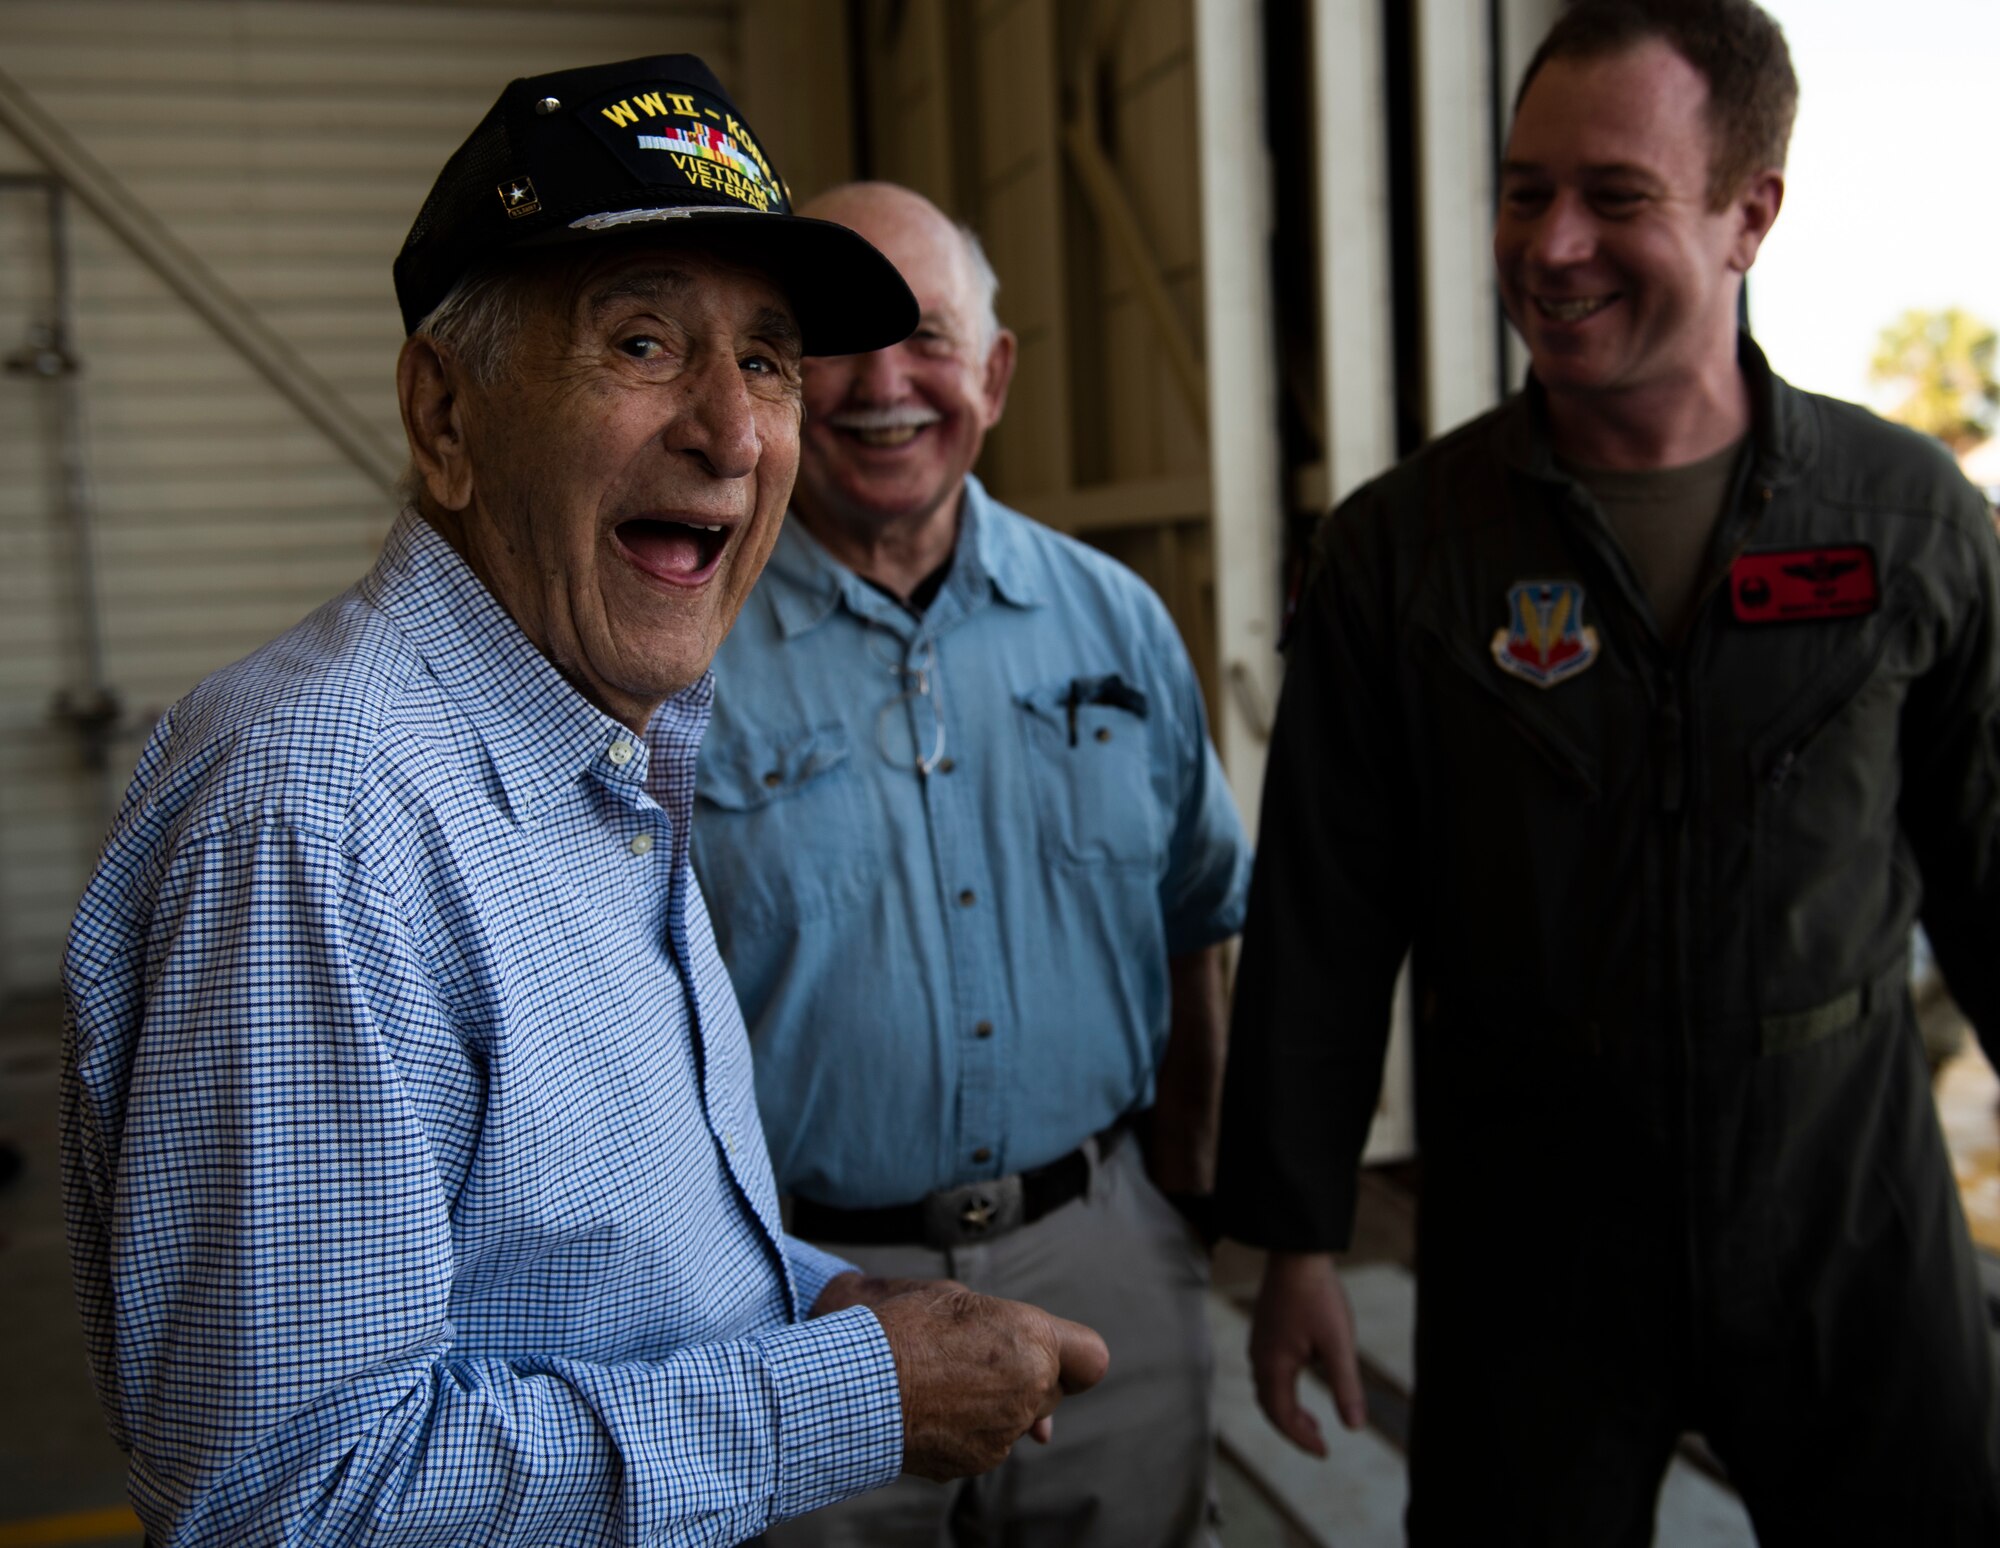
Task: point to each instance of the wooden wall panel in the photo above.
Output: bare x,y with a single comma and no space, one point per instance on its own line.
793,80
912,113
1350,166
1097,419
1149,119
1017,204
1246,485
1456,153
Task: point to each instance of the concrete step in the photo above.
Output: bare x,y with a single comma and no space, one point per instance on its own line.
1355,1498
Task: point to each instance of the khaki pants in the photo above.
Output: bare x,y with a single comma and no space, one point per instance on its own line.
1129,1464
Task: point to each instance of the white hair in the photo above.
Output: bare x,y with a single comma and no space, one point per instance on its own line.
475,326
825,205
985,279
478,321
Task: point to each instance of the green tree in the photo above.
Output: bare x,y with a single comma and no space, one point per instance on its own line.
1945,363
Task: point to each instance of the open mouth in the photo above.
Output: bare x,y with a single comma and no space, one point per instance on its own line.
897,435
884,429
682,553
1572,310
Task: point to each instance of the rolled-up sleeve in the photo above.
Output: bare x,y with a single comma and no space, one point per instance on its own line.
1205,889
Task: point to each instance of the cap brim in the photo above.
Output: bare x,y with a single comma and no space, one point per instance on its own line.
848,298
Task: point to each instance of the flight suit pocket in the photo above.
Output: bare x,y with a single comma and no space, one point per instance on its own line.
1092,782
1549,746
1829,705
1515,816
781,825
1831,863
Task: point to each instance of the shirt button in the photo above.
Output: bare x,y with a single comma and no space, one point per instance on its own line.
984,1029
968,897
642,843
1104,733
621,753
982,1155
773,780
946,765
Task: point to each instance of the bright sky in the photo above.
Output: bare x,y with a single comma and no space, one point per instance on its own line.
1892,197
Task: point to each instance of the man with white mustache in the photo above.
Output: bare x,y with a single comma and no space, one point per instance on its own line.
972,861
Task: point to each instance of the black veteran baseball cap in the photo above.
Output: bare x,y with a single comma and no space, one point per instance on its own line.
650,145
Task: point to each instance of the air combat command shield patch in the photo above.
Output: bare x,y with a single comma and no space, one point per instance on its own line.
1545,641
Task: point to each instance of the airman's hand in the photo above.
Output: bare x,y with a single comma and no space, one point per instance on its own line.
1302,1319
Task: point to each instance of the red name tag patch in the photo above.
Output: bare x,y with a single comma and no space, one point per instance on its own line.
1796,585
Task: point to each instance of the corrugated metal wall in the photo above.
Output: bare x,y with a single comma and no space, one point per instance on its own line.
288,143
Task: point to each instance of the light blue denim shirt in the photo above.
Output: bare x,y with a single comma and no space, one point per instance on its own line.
960,974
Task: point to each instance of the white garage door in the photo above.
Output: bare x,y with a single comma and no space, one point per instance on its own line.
288,143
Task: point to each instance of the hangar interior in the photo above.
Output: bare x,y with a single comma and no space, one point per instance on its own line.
1243,247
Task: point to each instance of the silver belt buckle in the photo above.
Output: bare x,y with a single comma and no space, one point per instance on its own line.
977,1212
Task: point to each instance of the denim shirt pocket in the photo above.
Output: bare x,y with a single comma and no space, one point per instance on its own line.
1091,779
780,828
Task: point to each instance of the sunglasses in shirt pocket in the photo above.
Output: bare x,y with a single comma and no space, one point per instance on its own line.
1092,777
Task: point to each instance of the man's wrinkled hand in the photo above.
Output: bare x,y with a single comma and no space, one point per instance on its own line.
1303,1319
978,1373
854,1288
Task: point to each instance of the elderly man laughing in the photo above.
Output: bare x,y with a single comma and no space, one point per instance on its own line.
417,1189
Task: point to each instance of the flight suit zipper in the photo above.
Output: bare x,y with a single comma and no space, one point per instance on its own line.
1675,739
1670,748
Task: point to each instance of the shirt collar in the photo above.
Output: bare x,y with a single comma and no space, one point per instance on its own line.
1002,546
1782,428
539,734
805,582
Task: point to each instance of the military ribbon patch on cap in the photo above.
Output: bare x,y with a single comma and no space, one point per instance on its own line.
1545,641
675,138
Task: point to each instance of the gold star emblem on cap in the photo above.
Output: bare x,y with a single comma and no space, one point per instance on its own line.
517,197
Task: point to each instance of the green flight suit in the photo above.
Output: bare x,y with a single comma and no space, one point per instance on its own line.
1681,1165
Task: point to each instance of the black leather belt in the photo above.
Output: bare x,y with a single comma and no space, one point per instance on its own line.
957,1217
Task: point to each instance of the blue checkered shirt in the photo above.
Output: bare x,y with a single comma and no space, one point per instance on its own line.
416,1187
